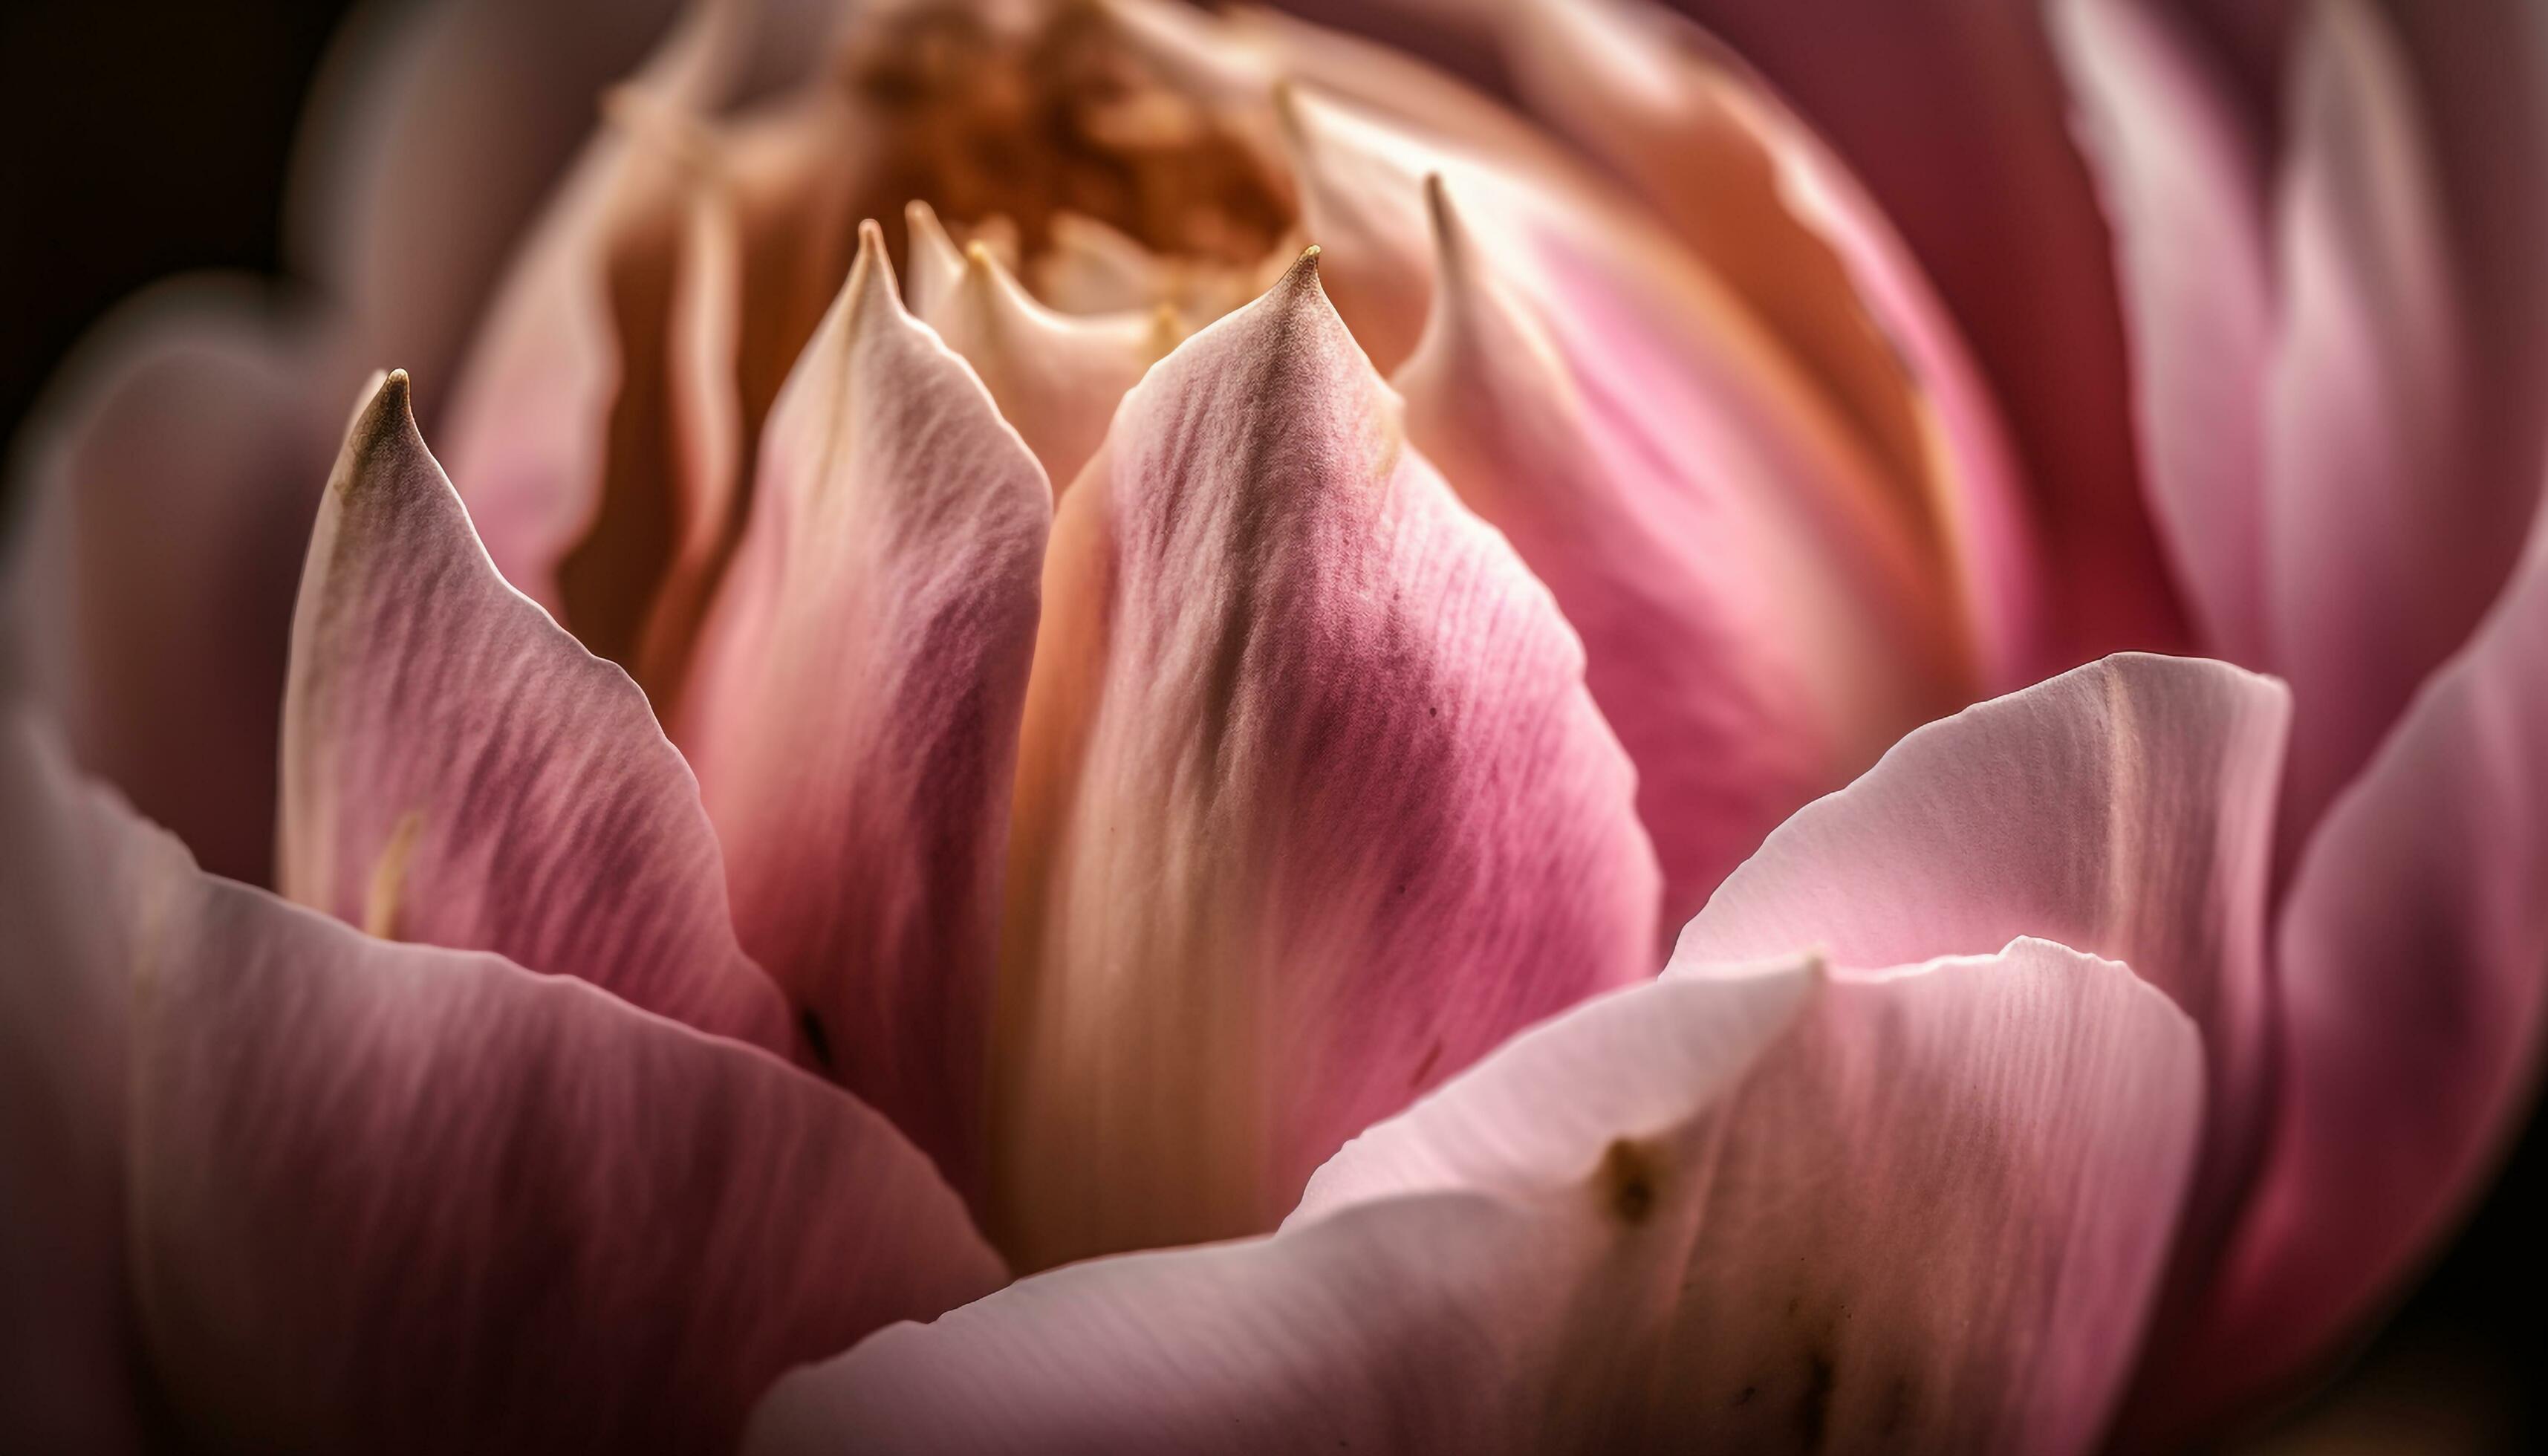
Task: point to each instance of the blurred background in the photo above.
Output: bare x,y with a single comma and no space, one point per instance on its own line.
150,137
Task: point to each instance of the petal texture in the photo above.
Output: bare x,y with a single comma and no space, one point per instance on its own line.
458,771
399,1198
1313,806
2125,808
854,723
1623,1232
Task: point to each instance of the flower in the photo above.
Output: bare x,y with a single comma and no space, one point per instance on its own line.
1112,770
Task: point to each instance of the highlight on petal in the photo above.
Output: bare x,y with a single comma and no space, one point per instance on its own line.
2125,808
458,771
855,715
2184,190
1690,648
2412,955
2388,535
400,1198
69,1378
1313,806
171,474
1622,1232
1057,378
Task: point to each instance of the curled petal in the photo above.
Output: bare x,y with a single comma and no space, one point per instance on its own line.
2126,808
173,472
856,716
2184,190
2412,953
458,771
1312,805
1057,378
2388,535
1622,1232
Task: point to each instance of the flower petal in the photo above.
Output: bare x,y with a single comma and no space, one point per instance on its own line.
855,715
2126,808
69,1378
1769,207
2387,536
173,474
2184,190
1691,649
1057,378
458,771
1623,1232
400,1198
1313,806
2412,953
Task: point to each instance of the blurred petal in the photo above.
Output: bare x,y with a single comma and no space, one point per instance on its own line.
69,1378
1313,806
431,137
2125,808
458,771
1623,1232
1675,368
172,471
446,1204
1769,207
2388,539
854,723
1057,378
2413,957
1689,647
2184,191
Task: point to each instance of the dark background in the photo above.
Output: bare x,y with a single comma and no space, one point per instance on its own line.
145,137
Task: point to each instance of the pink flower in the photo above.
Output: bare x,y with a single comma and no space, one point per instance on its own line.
1172,707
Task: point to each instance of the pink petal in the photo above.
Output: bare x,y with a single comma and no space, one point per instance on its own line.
1766,205
1313,806
1623,1232
171,475
458,771
69,1378
1690,648
2413,955
2387,536
2183,185
2125,808
400,1198
1055,377
855,713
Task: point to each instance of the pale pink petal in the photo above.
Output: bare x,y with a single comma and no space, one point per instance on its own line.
1055,377
1769,206
394,1196
2387,536
2413,958
854,718
2126,808
1690,647
171,474
70,1376
1928,1216
458,771
2184,190
1313,808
